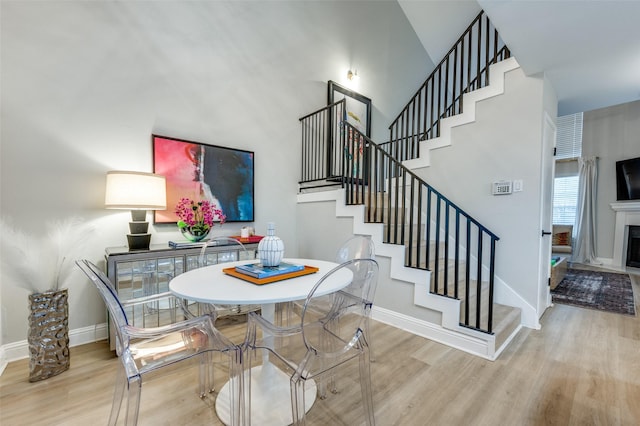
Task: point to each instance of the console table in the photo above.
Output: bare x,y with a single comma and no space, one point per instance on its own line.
141,273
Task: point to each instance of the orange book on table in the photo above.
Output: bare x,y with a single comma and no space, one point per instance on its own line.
250,239
306,271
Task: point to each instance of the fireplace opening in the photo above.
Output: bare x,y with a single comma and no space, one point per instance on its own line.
633,247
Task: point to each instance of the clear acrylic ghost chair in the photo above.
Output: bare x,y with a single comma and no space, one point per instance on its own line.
359,247
242,254
356,247
329,333
146,350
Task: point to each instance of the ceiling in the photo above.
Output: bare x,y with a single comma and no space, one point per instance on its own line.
588,49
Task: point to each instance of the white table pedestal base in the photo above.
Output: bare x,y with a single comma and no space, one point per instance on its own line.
270,397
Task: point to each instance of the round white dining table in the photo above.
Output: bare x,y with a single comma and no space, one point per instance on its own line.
270,390
211,285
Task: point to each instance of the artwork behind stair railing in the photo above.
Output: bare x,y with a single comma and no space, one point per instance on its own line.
357,111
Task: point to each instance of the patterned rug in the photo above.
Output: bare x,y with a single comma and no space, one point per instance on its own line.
604,291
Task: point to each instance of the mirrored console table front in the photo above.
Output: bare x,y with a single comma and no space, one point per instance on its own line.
142,273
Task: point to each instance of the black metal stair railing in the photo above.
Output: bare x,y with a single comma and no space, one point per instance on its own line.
438,235
465,68
322,146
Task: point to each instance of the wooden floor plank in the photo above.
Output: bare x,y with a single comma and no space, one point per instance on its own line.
581,368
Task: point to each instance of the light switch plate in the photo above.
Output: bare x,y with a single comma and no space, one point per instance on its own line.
517,185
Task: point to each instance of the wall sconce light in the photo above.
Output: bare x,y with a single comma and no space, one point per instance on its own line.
138,192
353,75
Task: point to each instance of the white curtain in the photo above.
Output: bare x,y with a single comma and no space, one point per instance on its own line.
584,247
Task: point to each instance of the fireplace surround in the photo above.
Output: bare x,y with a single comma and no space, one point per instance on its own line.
627,216
633,247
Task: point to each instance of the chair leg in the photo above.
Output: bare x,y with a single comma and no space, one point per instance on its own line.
328,382
211,385
297,399
118,393
365,385
367,332
239,404
206,374
247,356
134,389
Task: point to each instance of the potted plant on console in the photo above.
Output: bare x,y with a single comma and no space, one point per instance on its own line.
197,218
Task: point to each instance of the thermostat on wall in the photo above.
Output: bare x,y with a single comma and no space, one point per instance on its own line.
502,187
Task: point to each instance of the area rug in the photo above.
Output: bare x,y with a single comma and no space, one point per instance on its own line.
603,291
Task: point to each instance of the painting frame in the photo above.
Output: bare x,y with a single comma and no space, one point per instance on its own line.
196,170
357,113
357,106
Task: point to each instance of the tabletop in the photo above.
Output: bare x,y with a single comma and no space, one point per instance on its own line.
211,285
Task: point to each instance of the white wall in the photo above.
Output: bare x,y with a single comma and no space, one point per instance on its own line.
85,84
504,143
611,134
321,233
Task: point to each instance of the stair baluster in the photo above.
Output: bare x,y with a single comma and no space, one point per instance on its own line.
441,94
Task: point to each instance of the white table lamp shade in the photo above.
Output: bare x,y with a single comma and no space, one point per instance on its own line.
138,192
135,190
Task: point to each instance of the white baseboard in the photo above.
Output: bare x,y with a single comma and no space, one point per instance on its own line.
20,350
433,332
607,263
3,360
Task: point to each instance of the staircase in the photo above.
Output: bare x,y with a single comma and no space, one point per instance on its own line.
433,243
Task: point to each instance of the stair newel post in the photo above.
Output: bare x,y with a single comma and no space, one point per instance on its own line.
428,218
445,108
479,53
419,214
492,267
455,72
411,234
486,50
415,129
479,279
402,210
446,248
467,280
456,273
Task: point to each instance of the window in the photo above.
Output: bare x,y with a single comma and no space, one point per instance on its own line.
565,199
569,136
568,150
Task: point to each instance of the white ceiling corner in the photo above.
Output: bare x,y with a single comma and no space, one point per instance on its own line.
589,50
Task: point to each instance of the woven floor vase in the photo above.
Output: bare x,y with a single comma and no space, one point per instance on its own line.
48,334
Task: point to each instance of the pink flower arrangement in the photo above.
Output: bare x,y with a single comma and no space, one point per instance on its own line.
197,216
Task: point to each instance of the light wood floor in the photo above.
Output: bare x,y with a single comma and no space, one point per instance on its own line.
582,368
